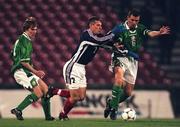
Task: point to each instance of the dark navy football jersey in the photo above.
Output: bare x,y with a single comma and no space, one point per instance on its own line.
89,45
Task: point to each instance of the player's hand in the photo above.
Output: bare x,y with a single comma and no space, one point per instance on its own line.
40,74
164,30
119,48
118,45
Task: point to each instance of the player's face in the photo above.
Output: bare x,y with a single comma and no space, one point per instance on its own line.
96,27
132,21
32,32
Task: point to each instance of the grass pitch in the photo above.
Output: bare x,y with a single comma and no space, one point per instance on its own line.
90,123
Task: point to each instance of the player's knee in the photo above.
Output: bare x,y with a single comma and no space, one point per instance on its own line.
75,98
39,94
128,93
118,81
43,88
81,98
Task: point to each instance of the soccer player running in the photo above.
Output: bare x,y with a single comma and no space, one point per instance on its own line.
125,67
25,74
74,70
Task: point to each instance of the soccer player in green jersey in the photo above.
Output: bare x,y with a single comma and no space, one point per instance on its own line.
25,74
125,67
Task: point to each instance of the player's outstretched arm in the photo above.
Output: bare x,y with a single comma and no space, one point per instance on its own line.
162,31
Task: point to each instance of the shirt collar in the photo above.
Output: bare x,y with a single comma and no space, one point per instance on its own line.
126,25
25,34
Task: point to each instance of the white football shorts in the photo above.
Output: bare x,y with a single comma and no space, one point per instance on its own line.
74,75
130,68
27,82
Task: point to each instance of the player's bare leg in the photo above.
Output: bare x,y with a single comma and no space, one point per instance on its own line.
75,95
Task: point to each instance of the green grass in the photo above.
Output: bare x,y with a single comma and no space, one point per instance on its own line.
90,123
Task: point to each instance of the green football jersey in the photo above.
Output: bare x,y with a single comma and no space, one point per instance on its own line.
133,39
22,51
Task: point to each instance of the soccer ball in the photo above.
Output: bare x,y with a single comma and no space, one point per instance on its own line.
128,114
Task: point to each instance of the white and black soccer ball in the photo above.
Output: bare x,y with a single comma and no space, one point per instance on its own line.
128,114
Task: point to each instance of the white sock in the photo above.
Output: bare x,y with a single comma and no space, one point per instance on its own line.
59,92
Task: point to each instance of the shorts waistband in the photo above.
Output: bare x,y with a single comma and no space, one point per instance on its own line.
80,65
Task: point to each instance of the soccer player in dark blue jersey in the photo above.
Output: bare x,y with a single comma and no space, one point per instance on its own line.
74,71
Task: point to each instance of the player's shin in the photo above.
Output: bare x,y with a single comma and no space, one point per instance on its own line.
27,101
68,105
46,107
116,93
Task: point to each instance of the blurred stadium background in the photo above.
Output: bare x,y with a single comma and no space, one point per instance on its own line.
61,22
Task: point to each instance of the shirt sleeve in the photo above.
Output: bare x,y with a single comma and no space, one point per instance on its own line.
145,31
97,39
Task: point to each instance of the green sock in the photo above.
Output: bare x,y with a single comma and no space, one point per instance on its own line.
116,93
46,107
123,97
27,101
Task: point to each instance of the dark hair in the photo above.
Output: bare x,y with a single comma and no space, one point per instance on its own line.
30,22
134,13
93,19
